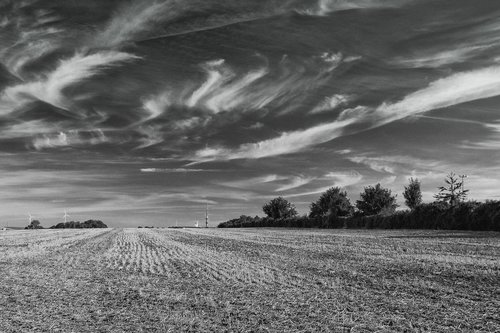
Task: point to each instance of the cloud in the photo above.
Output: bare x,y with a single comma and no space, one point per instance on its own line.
455,89
70,138
395,164
297,181
280,87
216,76
252,182
156,105
325,7
27,34
470,40
286,143
340,179
491,143
26,129
344,179
151,135
233,94
132,19
32,46
331,103
438,59
186,124
374,163
226,89
256,126
388,180
146,19
223,89
175,170
50,88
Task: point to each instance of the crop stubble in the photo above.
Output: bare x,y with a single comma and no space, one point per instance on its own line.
133,280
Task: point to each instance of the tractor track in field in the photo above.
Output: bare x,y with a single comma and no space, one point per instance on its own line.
158,252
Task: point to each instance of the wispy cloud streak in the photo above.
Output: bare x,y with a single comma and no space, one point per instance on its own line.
325,7
50,88
175,170
287,143
452,90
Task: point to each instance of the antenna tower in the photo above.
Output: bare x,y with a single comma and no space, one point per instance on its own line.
206,217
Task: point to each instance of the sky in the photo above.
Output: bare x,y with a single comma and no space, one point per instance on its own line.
143,112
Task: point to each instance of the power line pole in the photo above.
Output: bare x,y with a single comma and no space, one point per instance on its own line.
206,217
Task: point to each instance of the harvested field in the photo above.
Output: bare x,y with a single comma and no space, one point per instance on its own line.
249,280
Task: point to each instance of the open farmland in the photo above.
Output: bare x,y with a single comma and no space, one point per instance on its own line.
242,280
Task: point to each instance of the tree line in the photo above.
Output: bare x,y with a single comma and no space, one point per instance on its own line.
35,224
377,206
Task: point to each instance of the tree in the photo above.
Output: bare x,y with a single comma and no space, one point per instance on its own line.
279,208
35,224
333,203
413,194
376,200
454,191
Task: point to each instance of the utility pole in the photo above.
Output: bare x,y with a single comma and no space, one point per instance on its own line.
206,217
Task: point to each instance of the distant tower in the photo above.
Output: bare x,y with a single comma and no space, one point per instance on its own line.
196,224
30,217
206,217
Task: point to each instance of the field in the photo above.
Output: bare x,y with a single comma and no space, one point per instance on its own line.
248,280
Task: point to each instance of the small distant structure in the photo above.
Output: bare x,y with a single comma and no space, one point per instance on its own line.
196,225
30,218
65,216
206,217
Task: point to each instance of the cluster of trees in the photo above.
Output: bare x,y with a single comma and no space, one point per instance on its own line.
469,215
376,208
35,224
80,225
